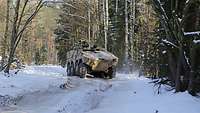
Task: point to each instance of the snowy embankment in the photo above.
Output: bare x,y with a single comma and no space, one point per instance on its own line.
29,80
36,90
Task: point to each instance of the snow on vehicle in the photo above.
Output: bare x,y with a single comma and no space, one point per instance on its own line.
91,61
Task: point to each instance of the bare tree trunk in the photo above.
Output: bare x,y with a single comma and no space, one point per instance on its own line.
126,32
89,23
116,7
197,23
192,71
131,30
105,17
132,27
178,71
4,41
172,66
98,14
13,36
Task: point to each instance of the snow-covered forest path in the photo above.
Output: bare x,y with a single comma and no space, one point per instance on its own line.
133,94
37,91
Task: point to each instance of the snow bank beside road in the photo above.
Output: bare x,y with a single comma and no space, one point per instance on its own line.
49,70
29,80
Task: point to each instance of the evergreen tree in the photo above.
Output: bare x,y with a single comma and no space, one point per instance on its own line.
117,29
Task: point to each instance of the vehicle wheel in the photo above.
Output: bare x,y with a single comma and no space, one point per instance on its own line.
114,73
103,75
83,71
68,69
72,69
77,68
111,73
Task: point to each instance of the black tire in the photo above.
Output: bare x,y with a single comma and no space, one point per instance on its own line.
83,70
68,69
77,68
111,73
114,73
73,69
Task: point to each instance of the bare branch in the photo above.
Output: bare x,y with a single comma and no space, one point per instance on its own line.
37,9
22,13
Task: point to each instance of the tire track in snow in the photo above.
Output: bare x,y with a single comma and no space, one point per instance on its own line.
85,95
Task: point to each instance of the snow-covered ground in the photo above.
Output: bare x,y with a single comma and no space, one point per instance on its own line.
36,90
136,95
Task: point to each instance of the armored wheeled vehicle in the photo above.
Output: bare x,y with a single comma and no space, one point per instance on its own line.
91,62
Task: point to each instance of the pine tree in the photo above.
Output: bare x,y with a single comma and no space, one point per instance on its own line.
116,38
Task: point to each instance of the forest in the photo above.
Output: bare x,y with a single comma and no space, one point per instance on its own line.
159,37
